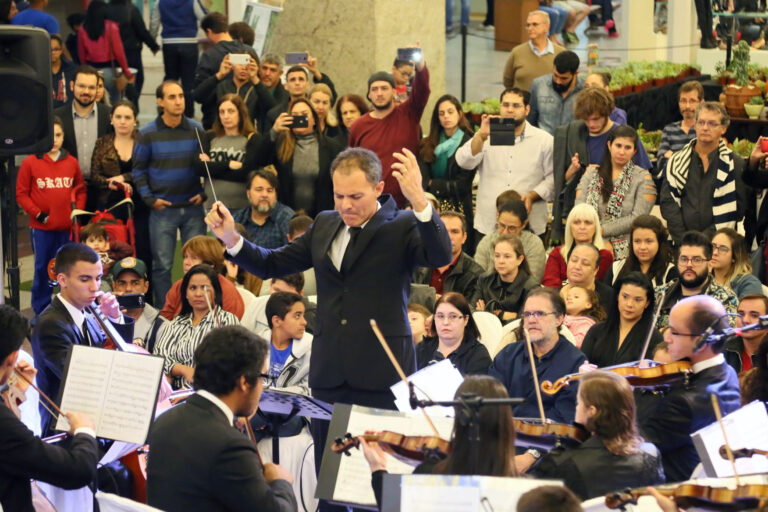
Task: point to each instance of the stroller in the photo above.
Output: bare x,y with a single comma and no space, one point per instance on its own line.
117,230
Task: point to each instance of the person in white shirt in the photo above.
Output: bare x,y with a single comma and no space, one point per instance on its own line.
525,166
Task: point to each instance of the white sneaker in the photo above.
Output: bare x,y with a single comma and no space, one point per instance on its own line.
489,28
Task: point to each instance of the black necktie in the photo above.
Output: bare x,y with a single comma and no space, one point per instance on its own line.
353,232
86,336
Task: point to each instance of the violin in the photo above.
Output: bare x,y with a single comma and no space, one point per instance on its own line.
742,453
653,377
408,449
742,497
532,432
14,394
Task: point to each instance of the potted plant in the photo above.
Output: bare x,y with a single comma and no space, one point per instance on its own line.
722,73
754,106
736,95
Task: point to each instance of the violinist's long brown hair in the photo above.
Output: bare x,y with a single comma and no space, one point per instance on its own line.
497,434
615,422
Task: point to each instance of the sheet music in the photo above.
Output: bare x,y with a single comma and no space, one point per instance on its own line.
117,451
746,428
353,482
437,382
446,493
117,390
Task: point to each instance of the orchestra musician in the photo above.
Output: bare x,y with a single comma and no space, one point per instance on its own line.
668,420
198,460
24,456
65,322
605,406
496,447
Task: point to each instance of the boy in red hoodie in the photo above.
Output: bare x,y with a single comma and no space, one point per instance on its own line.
43,189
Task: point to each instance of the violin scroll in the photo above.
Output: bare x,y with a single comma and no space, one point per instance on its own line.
551,388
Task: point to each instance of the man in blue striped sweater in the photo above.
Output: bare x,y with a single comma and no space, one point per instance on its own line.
164,172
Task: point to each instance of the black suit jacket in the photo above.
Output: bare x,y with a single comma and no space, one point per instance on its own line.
668,422
66,115
374,283
199,461
24,456
54,334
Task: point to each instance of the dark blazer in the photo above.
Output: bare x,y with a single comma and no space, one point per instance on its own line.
471,356
462,278
590,470
668,422
374,282
200,462
601,344
327,149
569,139
755,222
24,456
53,335
66,115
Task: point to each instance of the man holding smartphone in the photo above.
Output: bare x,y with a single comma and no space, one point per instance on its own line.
390,126
130,283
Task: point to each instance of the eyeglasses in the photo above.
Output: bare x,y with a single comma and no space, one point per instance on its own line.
696,260
451,317
711,124
689,334
722,249
266,379
536,314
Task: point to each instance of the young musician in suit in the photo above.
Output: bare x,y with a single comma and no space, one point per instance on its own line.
668,422
198,460
24,456
65,322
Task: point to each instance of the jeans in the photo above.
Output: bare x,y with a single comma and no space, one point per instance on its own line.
449,13
557,17
606,12
180,62
44,245
162,233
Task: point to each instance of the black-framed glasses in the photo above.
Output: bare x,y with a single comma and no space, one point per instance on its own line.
696,260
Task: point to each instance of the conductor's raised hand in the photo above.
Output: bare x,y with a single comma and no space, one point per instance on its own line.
406,171
220,220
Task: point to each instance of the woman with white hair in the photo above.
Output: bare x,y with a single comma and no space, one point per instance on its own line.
582,226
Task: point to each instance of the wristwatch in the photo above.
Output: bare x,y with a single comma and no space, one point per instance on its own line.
533,451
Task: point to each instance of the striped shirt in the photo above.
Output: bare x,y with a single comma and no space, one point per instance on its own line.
164,161
179,339
672,138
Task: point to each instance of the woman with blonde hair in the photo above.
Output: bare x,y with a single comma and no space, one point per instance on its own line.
321,98
730,263
582,226
615,456
302,157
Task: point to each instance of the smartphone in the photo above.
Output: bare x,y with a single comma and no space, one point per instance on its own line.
502,131
412,54
764,145
131,300
300,121
293,58
239,59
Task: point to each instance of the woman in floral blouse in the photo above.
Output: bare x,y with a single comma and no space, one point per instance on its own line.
618,189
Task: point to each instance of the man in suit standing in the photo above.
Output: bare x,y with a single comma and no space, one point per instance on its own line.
65,323
24,456
199,460
669,422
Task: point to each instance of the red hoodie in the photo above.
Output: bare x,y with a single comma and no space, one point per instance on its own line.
46,186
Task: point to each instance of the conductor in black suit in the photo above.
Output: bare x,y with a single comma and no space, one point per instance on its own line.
687,407
24,456
65,323
198,460
364,254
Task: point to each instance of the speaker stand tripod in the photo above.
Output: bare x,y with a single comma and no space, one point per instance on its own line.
10,234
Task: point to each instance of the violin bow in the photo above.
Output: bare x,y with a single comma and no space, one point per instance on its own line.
649,334
535,376
207,171
45,398
729,452
399,369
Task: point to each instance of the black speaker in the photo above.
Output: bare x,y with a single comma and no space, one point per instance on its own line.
26,103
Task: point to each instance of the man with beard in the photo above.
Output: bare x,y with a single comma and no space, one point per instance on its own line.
83,119
553,95
266,220
693,267
678,134
390,127
525,166
702,188
581,143
165,171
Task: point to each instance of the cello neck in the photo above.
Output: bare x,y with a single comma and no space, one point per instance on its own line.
107,327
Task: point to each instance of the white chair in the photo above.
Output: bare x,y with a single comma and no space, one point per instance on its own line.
490,329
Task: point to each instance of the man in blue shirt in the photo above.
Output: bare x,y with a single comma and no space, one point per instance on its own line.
267,220
543,314
553,95
36,16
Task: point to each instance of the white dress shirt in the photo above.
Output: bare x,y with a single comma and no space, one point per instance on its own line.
218,403
708,363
